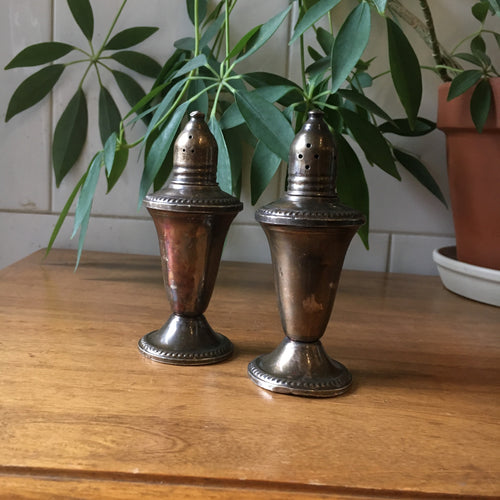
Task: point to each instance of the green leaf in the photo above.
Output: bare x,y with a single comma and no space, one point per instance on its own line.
130,37
263,79
40,53
480,11
70,135
401,126
478,46
211,31
137,62
381,5
64,213
361,80
130,89
371,141
146,99
185,44
87,193
264,33
166,167
325,39
497,38
332,116
164,106
264,165
242,42
350,44
312,15
463,82
223,163
405,71
469,58
420,172
495,5
235,138
172,64
33,89
480,103
117,168
315,55
201,102
159,150
81,238
351,183
109,152
272,93
266,122
109,115
364,102
82,13
202,10
193,63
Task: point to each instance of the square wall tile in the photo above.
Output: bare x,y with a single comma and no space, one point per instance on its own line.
374,259
412,253
25,139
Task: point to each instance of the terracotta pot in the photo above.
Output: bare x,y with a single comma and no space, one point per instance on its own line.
474,177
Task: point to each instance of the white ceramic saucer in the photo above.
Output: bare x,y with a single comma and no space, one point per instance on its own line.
474,282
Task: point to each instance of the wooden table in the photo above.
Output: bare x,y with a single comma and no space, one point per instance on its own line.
84,415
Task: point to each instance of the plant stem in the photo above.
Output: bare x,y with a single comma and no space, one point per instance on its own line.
108,34
401,12
84,75
436,52
302,54
226,31
196,29
76,62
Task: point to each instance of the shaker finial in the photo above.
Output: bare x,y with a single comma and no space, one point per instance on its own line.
311,167
195,153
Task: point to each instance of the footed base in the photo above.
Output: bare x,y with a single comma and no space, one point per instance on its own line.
184,340
300,369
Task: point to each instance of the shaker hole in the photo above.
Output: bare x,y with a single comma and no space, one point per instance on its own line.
190,136
308,145
183,150
192,151
307,167
316,156
300,155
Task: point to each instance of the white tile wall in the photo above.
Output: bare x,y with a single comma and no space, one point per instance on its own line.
407,222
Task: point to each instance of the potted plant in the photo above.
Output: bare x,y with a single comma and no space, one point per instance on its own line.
469,115
265,109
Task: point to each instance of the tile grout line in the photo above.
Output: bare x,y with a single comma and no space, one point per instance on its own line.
51,117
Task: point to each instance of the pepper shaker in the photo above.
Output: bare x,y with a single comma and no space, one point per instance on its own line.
192,216
308,231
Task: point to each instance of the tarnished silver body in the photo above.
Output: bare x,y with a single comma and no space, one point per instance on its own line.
192,216
309,232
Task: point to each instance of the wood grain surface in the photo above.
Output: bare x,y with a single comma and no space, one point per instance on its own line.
84,415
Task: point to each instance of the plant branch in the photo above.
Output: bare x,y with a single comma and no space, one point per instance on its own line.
113,24
436,51
422,30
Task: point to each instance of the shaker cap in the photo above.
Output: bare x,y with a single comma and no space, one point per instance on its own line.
311,162
195,153
311,199
192,186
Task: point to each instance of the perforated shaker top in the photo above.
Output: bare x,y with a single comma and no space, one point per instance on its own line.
311,199
192,185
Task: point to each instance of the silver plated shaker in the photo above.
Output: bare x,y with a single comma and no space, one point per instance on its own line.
308,231
192,216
